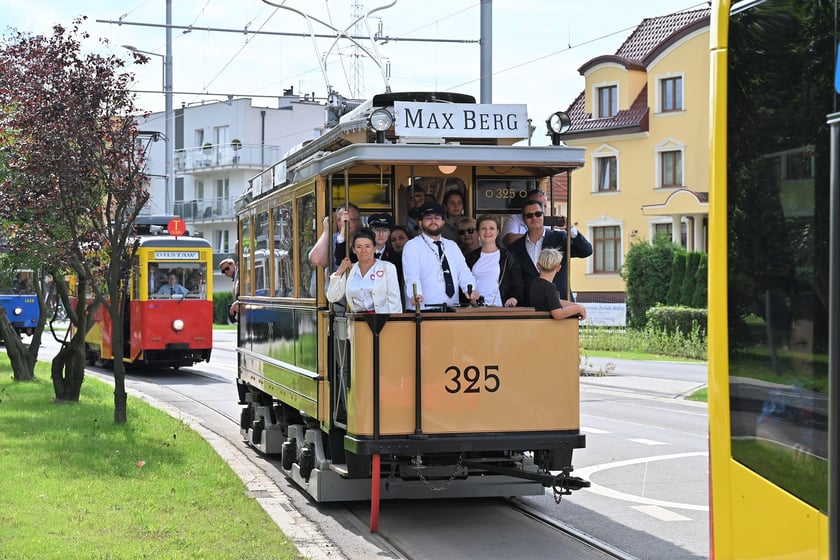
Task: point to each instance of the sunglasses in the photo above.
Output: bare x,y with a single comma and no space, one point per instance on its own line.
529,215
468,230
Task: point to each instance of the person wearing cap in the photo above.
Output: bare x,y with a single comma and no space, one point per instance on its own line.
434,267
381,225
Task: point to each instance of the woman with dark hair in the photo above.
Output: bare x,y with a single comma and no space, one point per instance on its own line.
453,204
369,285
496,270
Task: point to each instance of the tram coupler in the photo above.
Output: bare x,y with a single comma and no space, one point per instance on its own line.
562,484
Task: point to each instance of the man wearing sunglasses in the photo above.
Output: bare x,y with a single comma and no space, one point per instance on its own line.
228,268
467,235
527,249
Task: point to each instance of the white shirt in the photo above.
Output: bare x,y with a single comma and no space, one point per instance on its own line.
486,272
422,267
513,224
378,290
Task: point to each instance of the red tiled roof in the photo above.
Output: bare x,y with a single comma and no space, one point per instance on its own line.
647,41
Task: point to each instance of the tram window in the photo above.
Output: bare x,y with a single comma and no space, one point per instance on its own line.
307,218
262,264
245,273
190,275
778,316
283,250
369,193
498,195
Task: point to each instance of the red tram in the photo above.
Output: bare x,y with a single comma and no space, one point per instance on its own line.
169,315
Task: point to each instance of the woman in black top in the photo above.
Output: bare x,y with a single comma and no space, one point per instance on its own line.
496,270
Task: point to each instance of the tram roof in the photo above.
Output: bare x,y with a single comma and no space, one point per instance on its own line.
540,160
168,241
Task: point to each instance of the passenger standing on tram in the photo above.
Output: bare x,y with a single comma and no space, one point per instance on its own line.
468,239
497,273
347,216
453,201
544,294
513,226
527,248
369,285
434,265
228,268
399,237
380,225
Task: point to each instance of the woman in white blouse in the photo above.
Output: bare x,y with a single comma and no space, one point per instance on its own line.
369,285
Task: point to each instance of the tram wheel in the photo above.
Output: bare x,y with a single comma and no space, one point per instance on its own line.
287,454
307,462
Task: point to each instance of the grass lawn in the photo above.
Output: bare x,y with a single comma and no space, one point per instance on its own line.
75,485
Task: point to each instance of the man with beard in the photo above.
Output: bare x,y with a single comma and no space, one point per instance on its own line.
434,266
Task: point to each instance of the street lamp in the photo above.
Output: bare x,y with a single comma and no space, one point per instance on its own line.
169,135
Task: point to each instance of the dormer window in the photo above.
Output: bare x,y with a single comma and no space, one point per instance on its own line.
607,101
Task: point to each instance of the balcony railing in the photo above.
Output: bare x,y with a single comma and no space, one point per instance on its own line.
208,209
190,160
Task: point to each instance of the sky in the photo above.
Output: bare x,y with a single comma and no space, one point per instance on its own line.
538,45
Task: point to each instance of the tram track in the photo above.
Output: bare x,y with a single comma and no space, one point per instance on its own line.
390,541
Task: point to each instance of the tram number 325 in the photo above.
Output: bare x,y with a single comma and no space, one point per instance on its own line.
470,380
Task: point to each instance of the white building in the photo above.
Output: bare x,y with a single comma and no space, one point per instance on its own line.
218,147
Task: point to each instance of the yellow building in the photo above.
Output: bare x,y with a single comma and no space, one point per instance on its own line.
644,121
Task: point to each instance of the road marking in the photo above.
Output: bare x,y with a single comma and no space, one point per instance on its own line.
587,472
593,431
661,513
647,441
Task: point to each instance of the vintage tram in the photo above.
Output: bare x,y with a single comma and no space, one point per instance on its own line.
18,298
166,327
461,402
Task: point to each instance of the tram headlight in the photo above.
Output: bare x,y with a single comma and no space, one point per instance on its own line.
557,123
18,311
379,121
178,325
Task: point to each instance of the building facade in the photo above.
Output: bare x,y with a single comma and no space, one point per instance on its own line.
218,147
643,119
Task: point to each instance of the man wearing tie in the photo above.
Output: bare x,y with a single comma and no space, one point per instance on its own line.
434,266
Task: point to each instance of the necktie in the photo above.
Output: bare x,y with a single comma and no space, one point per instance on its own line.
447,274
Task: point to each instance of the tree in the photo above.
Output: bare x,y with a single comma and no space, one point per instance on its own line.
677,274
74,181
647,275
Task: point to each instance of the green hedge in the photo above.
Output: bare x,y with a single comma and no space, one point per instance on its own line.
676,319
221,303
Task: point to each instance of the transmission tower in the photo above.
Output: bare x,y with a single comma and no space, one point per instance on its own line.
357,69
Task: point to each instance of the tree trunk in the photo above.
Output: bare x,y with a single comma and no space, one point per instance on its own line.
23,369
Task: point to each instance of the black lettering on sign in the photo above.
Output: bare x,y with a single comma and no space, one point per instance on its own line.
470,380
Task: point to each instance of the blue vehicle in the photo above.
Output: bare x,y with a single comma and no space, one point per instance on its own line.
21,303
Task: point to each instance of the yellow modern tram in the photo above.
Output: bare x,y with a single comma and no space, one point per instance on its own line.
773,280
459,402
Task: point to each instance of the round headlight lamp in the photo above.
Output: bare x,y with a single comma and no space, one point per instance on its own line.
178,325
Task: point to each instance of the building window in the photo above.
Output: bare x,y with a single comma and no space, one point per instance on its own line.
606,249
670,169
607,101
607,173
668,229
671,94
223,241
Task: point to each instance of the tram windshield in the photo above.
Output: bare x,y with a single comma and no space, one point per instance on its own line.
168,280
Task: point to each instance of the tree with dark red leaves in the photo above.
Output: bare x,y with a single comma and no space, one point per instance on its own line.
73,181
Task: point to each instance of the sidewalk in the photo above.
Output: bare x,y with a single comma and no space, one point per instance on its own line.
661,379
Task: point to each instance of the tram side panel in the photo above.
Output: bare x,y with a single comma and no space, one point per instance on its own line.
488,375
